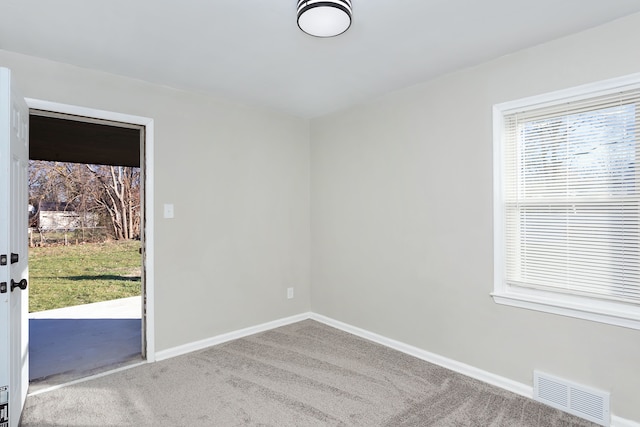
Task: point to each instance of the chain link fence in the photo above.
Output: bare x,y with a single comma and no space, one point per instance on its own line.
53,237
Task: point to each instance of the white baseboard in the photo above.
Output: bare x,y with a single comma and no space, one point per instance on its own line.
219,339
462,368
622,422
468,370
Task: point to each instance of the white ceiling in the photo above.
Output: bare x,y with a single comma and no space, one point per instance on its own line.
253,52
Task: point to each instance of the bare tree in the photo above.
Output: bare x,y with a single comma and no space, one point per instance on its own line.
112,192
119,195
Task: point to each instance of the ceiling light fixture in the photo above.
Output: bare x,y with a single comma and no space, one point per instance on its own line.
324,18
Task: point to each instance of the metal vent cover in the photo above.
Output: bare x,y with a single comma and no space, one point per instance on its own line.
573,398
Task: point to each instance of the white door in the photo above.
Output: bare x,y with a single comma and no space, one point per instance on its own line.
14,307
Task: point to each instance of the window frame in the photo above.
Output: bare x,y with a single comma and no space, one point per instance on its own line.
582,307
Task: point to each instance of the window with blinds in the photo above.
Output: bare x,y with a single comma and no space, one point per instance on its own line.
569,196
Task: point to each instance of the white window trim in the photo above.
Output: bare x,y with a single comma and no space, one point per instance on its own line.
609,312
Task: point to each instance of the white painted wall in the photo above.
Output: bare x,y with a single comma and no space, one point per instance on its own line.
239,180
402,220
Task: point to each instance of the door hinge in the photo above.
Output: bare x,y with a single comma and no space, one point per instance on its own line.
14,258
4,405
3,259
3,287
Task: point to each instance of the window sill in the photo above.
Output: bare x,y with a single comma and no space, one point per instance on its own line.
612,313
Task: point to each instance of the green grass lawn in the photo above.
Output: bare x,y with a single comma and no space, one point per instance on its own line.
62,276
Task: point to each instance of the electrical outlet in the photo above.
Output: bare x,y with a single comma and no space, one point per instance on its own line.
289,293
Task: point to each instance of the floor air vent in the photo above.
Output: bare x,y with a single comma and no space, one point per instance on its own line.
570,397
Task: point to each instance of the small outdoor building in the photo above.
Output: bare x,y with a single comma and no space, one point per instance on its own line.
63,216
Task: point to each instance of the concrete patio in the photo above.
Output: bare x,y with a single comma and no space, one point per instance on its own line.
73,342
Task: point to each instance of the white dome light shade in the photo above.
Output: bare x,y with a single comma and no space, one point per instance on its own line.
324,18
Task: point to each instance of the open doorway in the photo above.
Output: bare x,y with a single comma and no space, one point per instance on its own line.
90,341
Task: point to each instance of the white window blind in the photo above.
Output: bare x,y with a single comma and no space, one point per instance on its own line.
571,197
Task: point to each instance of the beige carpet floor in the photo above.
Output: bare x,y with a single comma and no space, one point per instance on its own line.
305,374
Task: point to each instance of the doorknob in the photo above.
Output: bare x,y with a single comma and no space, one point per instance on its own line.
22,284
